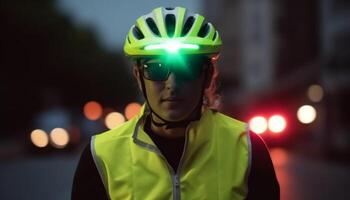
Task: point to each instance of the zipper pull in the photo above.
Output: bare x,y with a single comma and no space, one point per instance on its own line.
177,181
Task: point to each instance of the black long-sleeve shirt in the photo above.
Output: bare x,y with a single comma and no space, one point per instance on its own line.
262,181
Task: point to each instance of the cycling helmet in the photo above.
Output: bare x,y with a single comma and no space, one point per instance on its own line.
172,30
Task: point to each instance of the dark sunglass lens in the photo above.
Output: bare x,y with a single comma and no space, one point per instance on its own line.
155,71
191,70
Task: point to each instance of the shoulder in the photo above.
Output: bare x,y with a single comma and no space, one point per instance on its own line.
125,130
258,148
224,121
260,151
225,129
87,183
262,181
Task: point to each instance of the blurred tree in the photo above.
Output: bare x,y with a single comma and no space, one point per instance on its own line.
41,49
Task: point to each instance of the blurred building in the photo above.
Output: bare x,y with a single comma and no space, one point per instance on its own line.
335,76
274,50
264,41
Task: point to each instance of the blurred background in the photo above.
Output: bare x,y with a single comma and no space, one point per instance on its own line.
285,69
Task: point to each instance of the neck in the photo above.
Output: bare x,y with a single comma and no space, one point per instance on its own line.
172,130
165,131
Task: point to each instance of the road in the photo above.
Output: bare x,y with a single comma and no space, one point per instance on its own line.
303,177
48,178
300,177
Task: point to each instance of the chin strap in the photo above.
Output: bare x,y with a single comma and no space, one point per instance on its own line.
170,124
173,124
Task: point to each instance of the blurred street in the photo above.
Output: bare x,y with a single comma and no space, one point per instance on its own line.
300,177
35,178
305,178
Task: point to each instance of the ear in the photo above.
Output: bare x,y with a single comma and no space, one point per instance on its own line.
136,72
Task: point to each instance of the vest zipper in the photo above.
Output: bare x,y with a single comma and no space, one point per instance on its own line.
175,176
177,191
176,187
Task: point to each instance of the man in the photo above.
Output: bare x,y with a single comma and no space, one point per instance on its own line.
177,147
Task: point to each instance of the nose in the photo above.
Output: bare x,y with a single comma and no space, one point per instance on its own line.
173,82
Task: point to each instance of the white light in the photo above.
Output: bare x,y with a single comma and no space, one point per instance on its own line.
114,119
306,114
59,137
171,46
258,124
277,123
39,138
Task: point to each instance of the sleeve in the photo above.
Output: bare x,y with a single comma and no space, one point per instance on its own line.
262,181
87,183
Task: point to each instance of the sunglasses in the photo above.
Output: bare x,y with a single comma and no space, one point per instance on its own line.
186,69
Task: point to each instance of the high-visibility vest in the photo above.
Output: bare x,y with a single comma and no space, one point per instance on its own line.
215,163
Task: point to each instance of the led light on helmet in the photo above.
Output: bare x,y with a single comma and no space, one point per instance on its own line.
172,46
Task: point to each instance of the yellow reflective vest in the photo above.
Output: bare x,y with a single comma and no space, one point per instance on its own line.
215,162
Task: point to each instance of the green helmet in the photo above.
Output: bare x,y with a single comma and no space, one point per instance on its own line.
172,30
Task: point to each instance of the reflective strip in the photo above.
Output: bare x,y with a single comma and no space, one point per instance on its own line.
98,165
155,149
177,189
249,155
141,143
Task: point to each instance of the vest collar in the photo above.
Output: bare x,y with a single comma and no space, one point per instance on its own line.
141,138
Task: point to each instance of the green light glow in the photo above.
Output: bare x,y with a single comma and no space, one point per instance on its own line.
172,46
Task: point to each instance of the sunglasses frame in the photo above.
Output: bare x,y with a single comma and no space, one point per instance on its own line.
205,64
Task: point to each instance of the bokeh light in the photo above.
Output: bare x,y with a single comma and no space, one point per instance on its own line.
277,123
279,157
258,124
92,110
39,138
59,137
114,119
306,114
131,110
315,93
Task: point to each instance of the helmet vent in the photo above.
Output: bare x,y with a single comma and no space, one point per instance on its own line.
203,31
188,25
152,25
129,40
137,33
170,24
169,8
215,34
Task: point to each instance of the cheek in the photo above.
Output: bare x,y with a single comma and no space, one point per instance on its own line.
194,91
153,90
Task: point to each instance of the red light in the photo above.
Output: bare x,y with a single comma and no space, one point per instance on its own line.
92,110
277,123
258,124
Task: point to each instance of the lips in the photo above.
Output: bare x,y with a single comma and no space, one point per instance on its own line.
171,99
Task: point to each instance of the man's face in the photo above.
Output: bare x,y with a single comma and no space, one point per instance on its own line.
177,89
